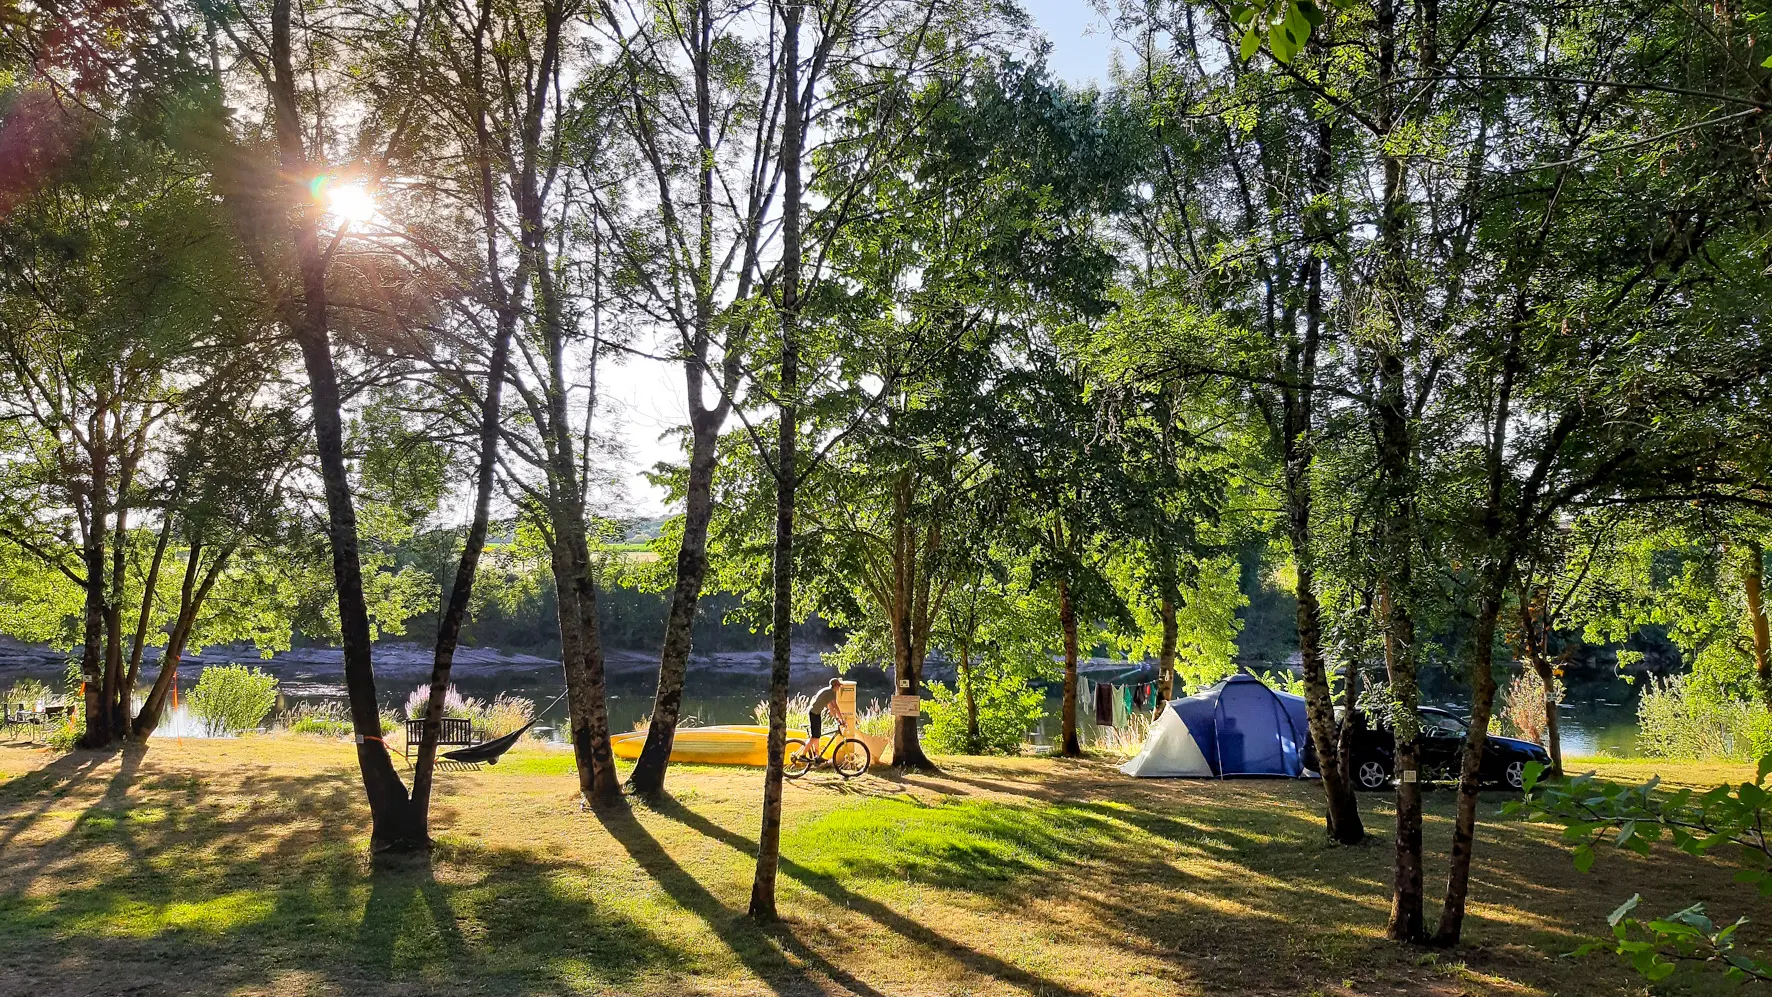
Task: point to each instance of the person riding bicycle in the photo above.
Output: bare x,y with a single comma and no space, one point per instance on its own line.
824,702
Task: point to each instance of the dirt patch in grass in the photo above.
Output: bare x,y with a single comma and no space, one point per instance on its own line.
212,868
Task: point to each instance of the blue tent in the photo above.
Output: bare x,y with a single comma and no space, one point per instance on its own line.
1237,727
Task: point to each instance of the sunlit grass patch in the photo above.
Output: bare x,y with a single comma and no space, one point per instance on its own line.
951,843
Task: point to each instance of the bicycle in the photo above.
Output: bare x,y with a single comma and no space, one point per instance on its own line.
848,756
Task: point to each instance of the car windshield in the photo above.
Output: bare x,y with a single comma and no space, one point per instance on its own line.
1436,724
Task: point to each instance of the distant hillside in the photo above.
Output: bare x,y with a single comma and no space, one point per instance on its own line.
645,530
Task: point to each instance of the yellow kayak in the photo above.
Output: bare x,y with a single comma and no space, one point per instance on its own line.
727,744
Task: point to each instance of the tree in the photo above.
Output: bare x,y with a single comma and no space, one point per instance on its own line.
136,381
786,466
1238,237
706,192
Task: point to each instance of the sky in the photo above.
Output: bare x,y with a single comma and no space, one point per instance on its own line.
645,397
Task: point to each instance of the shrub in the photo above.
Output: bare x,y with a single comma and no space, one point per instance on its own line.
1675,719
327,719
1125,740
454,704
1007,710
799,709
1523,707
505,714
233,698
30,692
67,735
873,720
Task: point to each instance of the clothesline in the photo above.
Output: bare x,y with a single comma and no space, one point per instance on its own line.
1114,703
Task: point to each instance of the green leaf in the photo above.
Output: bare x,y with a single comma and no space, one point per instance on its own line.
1584,858
1312,13
1298,27
1624,909
1532,772
1659,969
1251,44
1625,833
1279,41
1694,918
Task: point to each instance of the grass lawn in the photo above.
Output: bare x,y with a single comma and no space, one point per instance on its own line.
238,867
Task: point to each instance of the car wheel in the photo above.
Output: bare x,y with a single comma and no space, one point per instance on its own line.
1372,774
1515,774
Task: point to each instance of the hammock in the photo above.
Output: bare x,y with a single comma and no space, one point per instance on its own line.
489,751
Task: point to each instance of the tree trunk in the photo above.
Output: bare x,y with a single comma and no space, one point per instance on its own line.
1166,654
92,675
762,906
1344,823
1753,580
606,784
1072,747
581,655
581,649
908,609
1406,898
1464,826
699,330
1535,645
1343,816
191,596
1397,489
449,628
1547,677
572,662
116,693
394,824
971,697
150,586
692,567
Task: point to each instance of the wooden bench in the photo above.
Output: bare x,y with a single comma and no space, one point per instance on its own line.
458,732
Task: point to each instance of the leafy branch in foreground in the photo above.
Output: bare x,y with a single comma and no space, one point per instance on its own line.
1593,811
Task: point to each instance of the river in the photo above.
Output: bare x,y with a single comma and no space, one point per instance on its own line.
1596,717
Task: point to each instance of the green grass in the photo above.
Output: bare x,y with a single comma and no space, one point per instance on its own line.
240,868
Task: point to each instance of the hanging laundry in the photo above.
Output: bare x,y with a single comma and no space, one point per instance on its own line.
1104,704
1141,694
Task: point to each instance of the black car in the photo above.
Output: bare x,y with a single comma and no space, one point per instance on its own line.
1442,744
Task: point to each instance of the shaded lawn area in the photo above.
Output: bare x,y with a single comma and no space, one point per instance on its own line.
238,867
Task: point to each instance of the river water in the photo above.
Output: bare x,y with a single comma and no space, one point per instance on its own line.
1596,718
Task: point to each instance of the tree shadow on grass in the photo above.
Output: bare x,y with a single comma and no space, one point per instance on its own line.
170,890
46,785
841,897
748,941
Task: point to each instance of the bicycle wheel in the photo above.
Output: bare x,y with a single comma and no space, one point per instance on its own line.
851,758
795,764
